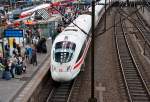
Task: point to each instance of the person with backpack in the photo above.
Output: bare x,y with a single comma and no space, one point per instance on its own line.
26,53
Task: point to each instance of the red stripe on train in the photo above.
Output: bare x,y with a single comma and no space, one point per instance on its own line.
83,56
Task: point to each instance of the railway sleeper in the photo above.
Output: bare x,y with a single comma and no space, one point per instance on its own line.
147,35
132,68
64,87
141,99
127,61
125,57
58,100
134,82
62,90
60,96
136,88
139,93
135,85
131,72
129,69
132,79
128,75
123,51
129,66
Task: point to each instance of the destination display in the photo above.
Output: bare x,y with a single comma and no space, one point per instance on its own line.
13,33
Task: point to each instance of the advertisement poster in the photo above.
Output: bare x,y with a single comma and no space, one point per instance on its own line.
1,50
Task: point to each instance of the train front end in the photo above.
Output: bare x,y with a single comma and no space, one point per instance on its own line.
62,61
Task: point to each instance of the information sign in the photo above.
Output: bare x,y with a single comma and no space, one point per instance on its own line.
13,33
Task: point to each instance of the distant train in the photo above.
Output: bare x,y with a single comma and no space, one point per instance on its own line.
70,47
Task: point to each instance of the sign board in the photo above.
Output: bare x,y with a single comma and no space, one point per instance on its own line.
13,33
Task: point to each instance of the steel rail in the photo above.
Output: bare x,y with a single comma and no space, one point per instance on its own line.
121,65
134,22
135,85
139,72
73,86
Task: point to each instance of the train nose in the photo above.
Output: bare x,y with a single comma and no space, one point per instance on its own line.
61,77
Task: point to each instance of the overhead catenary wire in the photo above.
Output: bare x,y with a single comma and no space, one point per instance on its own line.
118,22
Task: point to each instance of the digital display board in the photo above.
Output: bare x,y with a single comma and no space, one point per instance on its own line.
13,33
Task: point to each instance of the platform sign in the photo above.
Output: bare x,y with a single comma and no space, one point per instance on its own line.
13,33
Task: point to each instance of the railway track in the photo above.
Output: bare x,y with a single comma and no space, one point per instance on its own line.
60,92
143,31
142,28
65,91
136,87
139,24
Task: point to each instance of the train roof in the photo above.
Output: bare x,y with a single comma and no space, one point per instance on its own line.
82,21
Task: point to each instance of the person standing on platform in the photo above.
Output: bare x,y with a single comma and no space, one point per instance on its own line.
34,55
12,68
7,50
18,49
14,44
6,73
30,54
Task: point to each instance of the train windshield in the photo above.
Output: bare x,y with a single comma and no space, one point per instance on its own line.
64,51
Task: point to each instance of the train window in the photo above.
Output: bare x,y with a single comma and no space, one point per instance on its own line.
64,51
65,45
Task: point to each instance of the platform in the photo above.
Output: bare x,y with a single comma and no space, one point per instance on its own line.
9,89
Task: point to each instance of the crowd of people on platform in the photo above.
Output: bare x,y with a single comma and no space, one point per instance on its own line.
13,62
16,60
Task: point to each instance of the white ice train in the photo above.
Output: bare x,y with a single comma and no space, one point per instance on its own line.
70,47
